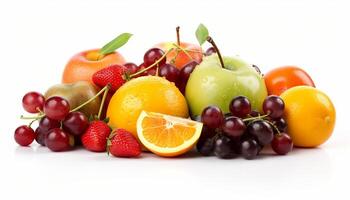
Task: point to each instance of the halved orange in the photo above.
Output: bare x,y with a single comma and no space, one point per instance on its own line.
167,135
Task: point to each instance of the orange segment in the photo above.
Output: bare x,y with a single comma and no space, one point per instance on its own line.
167,135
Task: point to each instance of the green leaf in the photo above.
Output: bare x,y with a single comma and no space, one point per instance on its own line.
202,34
116,43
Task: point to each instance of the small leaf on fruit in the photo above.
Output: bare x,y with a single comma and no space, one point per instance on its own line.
202,34
115,43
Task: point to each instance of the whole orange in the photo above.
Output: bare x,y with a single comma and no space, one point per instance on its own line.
310,115
148,93
83,65
281,79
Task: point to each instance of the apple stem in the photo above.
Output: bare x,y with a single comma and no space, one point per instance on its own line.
211,41
178,35
154,64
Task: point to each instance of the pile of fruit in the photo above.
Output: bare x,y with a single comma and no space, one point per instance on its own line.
178,98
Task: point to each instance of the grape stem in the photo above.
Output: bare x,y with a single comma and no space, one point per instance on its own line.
91,99
184,50
103,100
154,64
254,118
211,41
41,115
274,126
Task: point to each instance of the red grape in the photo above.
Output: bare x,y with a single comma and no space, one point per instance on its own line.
184,75
75,123
170,72
212,117
273,106
240,106
282,143
58,140
56,108
233,126
32,102
24,135
47,124
223,147
261,130
152,55
249,149
40,136
131,68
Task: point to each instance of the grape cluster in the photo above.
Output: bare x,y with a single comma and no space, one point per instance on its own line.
155,64
244,131
59,128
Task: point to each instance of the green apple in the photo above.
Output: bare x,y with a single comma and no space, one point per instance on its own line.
211,84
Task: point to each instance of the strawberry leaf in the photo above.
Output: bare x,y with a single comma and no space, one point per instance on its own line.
202,34
115,43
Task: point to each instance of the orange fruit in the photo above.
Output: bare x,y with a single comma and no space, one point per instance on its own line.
83,65
167,135
149,93
310,115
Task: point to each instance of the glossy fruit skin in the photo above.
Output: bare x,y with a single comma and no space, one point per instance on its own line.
262,131
56,108
223,147
315,110
249,149
32,102
233,127
76,94
80,68
47,124
152,55
184,75
273,106
170,72
123,144
182,59
57,140
282,144
281,79
24,135
238,78
281,124
205,146
113,75
131,68
212,117
95,137
240,106
75,123
151,93
40,136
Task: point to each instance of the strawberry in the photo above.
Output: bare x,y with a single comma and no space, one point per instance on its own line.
114,75
95,136
122,143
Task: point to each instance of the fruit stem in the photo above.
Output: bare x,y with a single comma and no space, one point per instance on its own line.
154,64
254,118
30,123
91,99
184,50
274,126
211,41
34,117
178,35
103,101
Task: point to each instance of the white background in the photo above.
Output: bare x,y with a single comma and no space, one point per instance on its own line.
38,37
